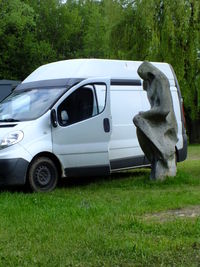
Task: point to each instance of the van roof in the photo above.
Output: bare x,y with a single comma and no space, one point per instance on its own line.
88,68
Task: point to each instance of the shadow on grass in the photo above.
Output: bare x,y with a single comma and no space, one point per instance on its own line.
117,176
80,181
15,189
136,177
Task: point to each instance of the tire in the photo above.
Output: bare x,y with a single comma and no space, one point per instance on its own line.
43,175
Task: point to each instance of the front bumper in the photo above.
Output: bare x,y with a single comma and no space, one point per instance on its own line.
13,171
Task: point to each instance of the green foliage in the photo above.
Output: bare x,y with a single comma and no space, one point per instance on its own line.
19,49
166,31
124,220
59,25
94,29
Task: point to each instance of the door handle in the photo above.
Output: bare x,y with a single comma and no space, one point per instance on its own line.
106,125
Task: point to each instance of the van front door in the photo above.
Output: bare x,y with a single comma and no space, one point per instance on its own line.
81,138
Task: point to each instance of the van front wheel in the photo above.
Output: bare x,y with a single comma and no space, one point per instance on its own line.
43,175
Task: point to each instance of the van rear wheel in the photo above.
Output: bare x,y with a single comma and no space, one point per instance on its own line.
43,175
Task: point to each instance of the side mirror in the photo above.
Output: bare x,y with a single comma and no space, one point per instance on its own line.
54,118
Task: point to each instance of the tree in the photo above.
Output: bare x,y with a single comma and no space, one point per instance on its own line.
19,49
59,25
169,31
179,35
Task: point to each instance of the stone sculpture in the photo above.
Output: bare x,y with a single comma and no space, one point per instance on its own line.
157,127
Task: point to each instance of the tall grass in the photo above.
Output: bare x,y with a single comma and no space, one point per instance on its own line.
107,221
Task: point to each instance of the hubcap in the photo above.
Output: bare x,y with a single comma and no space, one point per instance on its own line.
43,175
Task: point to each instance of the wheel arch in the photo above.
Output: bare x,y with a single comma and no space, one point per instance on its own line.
50,156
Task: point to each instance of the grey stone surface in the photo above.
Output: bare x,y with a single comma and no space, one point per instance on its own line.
157,127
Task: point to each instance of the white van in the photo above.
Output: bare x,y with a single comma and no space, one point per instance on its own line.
74,118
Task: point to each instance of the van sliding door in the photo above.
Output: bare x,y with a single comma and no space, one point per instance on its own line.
81,139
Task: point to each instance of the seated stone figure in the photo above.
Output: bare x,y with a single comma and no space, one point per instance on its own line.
157,127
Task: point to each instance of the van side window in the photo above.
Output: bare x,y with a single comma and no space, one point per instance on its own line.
101,96
82,104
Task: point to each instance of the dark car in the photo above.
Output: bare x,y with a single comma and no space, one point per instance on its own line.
6,87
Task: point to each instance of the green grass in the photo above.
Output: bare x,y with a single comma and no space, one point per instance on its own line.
105,221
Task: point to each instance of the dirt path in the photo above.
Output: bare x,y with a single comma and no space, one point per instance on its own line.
189,212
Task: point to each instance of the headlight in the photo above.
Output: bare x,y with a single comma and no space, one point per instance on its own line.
11,139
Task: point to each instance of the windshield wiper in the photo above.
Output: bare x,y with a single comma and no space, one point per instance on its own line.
9,120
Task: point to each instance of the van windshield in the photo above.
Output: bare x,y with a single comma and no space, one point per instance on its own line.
28,104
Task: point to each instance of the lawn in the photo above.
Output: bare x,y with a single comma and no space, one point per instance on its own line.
123,220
